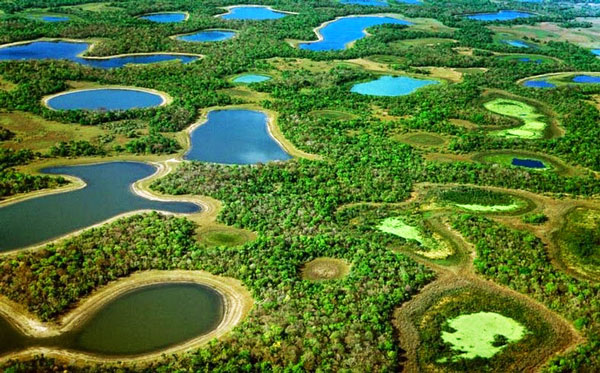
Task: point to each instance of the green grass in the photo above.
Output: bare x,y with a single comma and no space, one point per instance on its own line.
487,208
533,127
225,236
422,139
332,114
397,227
423,42
476,334
579,241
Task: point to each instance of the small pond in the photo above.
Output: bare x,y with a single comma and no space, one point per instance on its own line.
251,78
391,86
528,163
235,137
516,43
108,193
254,13
208,36
336,35
502,15
54,18
538,84
105,99
174,17
71,51
586,79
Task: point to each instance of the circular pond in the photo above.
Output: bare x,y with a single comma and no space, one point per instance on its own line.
391,86
251,78
105,99
167,17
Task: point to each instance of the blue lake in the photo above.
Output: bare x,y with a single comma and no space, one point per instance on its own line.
107,194
411,2
337,34
54,18
596,52
106,99
56,50
527,59
538,84
528,163
255,13
207,36
235,137
165,17
503,15
586,79
516,43
391,86
365,2
251,78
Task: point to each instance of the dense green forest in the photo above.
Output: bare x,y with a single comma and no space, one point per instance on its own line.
303,209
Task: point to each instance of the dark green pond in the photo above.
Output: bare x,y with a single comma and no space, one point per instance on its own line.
144,320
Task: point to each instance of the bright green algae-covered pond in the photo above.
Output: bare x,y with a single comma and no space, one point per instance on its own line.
140,321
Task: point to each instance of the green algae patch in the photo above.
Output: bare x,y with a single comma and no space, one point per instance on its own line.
493,208
534,126
431,248
481,334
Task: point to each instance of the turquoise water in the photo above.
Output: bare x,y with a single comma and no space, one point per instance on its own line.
56,50
255,13
235,137
586,79
105,99
337,34
165,17
516,43
208,36
54,18
251,78
538,84
391,86
503,15
596,52
143,320
365,2
107,194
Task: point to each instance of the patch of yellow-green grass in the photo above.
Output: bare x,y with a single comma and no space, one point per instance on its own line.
325,269
423,42
493,208
224,236
432,249
332,114
6,85
421,139
39,134
481,334
246,94
93,7
533,127
382,58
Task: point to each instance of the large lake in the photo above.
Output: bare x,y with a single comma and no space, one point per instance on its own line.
253,13
66,50
391,86
337,34
167,17
208,36
108,193
235,137
143,320
502,15
105,99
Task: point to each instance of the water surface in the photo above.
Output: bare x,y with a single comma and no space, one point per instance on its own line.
365,2
54,18
140,321
391,86
107,194
502,15
105,99
255,13
528,163
235,137
208,36
67,50
165,17
596,52
337,34
516,43
586,79
538,84
527,59
251,78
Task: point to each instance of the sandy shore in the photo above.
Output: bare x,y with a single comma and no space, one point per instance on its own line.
237,301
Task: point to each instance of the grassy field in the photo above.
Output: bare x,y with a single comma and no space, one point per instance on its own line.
534,125
422,42
94,7
481,334
224,236
505,158
325,269
548,31
38,134
433,247
578,242
332,114
422,139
